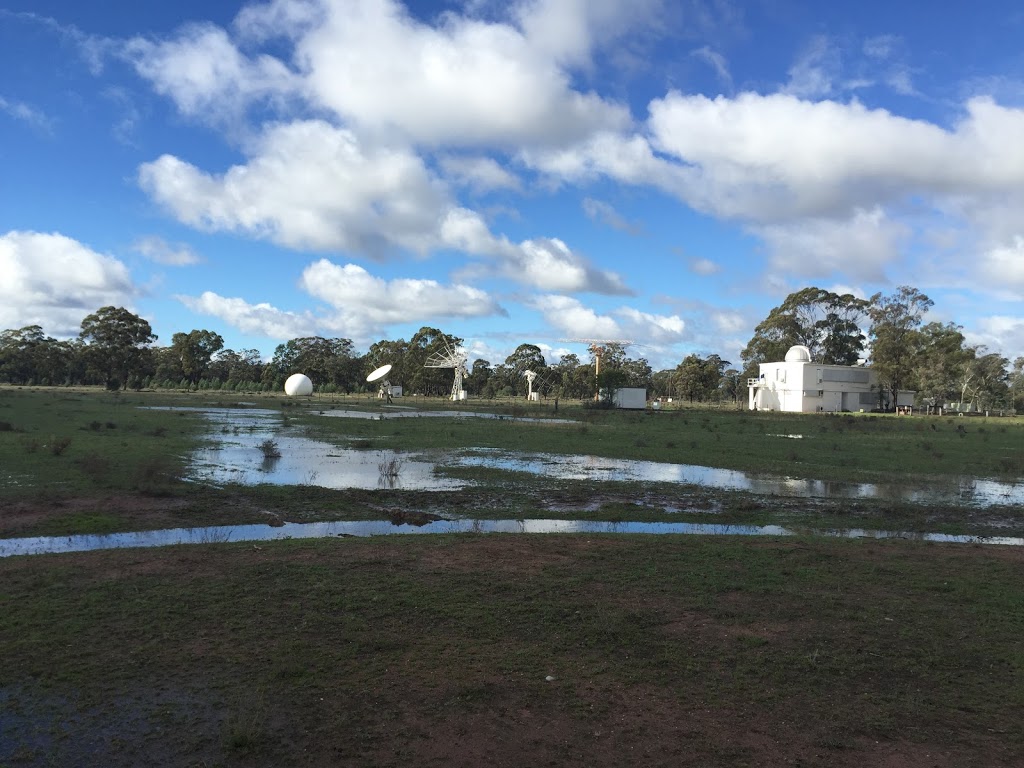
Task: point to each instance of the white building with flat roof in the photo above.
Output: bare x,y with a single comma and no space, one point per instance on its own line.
798,385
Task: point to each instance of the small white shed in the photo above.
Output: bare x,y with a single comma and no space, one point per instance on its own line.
630,397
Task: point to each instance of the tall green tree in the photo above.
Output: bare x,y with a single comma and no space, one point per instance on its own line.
730,385
939,362
827,323
194,351
117,345
424,343
325,361
572,378
1016,384
896,337
698,378
638,373
233,368
984,381
479,378
525,357
19,353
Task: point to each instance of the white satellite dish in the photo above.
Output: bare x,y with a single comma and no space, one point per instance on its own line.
453,356
380,373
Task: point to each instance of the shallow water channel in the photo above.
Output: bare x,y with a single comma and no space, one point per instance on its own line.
241,533
235,457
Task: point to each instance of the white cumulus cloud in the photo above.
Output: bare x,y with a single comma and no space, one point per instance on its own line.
311,186
207,76
54,281
261,319
1005,265
573,319
355,293
162,252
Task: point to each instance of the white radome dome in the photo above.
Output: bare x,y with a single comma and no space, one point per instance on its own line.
798,354
298,385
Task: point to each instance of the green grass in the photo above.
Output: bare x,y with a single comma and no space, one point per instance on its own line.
73,441
365,652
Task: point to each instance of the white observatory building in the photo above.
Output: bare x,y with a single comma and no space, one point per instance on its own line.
798,385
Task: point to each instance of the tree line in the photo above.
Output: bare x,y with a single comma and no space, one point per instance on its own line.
117,349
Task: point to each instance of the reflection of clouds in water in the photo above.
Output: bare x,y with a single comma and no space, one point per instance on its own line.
955,491
406,414
236,433
240,533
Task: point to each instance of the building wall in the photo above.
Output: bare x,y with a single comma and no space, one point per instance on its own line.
630,397
810,388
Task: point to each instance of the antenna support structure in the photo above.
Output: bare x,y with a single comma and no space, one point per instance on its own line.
453,356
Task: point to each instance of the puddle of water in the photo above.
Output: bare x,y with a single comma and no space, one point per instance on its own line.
414,414
310,462
965,490
242,533
235,457
237,433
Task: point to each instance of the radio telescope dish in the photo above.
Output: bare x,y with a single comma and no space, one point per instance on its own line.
380,373
535,382
455,357
530,377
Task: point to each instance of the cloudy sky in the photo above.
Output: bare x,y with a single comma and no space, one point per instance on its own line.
663,171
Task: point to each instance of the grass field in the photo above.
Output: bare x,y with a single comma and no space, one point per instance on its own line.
504,650
424,652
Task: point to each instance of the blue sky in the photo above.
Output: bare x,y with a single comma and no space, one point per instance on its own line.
530,172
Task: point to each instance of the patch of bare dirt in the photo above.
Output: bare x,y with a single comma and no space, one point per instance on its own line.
26,514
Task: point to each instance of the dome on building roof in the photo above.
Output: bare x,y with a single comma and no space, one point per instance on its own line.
798,354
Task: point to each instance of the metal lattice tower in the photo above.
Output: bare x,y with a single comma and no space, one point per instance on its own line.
455,357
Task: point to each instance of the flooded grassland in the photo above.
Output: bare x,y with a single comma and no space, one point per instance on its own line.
604,590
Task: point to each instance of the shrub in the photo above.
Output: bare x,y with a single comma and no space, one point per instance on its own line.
59,444
270,449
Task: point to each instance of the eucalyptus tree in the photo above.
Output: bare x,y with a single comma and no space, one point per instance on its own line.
638,372
699,378
525,357
730,385
572,378
325,361
19,353
233,368
827,323
480,378
1016,383
118,345
985,380
940,361
896,336
424,343
194,351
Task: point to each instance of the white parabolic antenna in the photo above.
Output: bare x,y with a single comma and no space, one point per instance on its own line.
531,376
454,357
298,385
380,373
